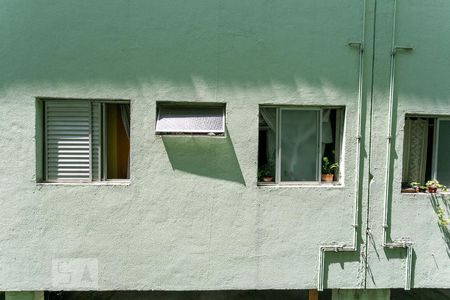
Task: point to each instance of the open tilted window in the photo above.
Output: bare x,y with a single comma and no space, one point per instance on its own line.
299,145
85,140
190,119
425,152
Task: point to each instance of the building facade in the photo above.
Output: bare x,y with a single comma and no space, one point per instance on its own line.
157,203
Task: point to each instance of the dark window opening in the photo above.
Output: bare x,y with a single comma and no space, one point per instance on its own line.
118,142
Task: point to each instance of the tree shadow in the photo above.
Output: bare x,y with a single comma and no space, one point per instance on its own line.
183,44
212,157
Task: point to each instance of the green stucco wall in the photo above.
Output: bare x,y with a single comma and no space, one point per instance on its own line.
192,216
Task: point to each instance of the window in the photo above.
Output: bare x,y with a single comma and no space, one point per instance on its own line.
85,140
294,141
425,150
190,119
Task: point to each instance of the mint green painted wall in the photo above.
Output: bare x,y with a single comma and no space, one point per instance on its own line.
181,226
420,87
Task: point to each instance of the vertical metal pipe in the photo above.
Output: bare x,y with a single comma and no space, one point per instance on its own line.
388,174
408,268
321,269
390,128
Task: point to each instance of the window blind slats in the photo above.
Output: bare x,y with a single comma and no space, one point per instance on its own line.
68,140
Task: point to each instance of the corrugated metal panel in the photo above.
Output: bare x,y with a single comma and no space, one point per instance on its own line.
68,126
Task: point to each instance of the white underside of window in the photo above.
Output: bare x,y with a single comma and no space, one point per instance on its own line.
190,120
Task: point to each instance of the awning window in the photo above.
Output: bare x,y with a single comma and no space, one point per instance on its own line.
191,119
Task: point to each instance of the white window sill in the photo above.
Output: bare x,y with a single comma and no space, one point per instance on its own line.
108,182
423,194
300,185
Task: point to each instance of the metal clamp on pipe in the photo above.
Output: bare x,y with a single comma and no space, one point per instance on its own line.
400,48
358,45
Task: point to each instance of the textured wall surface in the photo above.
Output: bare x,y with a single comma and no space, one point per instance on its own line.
192,216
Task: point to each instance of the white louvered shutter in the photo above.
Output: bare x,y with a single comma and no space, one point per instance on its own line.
68,140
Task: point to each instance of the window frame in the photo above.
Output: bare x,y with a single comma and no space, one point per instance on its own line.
435,155
102,178
340,123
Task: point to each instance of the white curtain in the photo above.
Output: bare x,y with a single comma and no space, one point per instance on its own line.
327,131
415,150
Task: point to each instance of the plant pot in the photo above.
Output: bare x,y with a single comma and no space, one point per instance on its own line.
267,178
410,190
327,177
432,189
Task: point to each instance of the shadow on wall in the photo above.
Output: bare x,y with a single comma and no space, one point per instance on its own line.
341,258
212,157
445,210
240,43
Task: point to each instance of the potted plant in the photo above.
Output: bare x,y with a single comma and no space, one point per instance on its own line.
416,186
328,169
422,188
434,185
265,173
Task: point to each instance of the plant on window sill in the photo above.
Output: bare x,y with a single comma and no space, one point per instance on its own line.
328,169
432,187
265,173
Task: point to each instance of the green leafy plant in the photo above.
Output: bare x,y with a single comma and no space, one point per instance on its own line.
266,170
329,167
415,184
435,184
442,221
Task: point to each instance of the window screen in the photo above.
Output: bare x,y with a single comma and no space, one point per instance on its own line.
175,119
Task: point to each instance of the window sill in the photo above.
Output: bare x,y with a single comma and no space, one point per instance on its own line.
300,185
100,183
423,194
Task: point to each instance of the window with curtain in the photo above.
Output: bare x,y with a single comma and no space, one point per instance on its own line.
425,150
86,140
294,141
